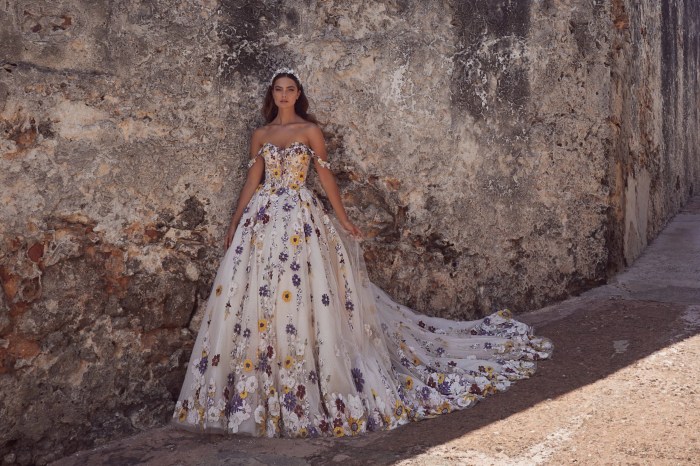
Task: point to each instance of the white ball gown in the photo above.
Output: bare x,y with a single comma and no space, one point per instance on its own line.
297,342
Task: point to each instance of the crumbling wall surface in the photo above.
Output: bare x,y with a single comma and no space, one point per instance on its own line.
111,209
495,153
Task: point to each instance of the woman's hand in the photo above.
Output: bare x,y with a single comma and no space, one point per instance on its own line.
351,228
229,235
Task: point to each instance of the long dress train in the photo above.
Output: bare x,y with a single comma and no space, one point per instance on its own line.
296,341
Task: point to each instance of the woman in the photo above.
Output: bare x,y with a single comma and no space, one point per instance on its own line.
296,341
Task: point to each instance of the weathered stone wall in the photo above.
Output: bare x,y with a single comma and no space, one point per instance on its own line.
654,104
501,153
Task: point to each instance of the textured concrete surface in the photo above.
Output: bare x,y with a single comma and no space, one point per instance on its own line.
622,388
500,153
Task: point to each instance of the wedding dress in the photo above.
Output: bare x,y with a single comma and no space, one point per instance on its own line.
296,341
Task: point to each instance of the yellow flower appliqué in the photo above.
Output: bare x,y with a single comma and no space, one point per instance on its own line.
262,325
286,296
295,240
247,365
444,408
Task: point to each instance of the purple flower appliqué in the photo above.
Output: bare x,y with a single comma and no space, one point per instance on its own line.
264,291
202,366
235,404
284,256
294,266
296,280
291,329
290,401
357,379
325,299
444,388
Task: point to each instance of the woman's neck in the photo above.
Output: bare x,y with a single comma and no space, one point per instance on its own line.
286,116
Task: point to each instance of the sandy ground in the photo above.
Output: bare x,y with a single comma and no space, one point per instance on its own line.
621,388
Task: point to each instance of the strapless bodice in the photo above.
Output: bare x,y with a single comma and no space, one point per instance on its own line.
287,167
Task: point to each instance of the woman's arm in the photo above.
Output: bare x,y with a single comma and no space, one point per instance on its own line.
255,174
330,186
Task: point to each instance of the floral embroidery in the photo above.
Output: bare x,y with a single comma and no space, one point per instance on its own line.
290,377
286,296
357,379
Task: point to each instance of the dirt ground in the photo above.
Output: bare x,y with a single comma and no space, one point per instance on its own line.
621,388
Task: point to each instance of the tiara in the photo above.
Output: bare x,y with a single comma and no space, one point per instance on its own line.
279,71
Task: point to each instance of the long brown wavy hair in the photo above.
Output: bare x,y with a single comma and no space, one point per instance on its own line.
301,106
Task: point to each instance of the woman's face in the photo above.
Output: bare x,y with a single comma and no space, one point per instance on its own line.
285,92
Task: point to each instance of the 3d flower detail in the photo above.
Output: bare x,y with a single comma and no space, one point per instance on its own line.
262,325
247,365
295,240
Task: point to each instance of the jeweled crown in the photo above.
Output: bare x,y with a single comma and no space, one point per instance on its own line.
279,71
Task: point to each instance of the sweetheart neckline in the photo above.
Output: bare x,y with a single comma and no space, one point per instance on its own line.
285,148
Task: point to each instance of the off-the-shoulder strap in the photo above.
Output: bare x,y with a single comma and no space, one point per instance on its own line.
253,160
321,162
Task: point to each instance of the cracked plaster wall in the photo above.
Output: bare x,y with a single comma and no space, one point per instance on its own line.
501,153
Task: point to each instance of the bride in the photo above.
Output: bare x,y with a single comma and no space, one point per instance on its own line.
296,341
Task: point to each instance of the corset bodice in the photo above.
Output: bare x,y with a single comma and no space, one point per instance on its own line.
287,167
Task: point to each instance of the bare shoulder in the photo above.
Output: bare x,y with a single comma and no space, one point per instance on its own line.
312,130
261,132
257,138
